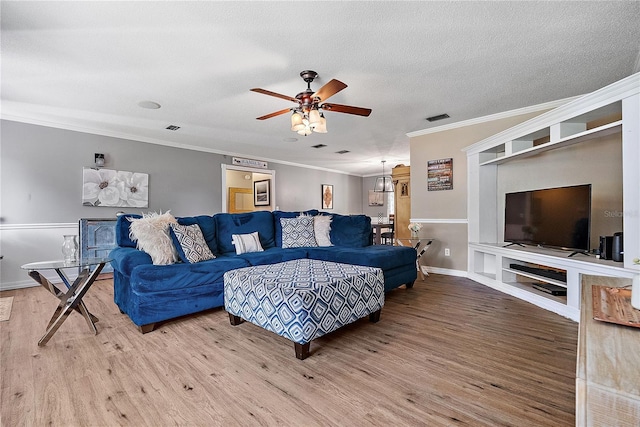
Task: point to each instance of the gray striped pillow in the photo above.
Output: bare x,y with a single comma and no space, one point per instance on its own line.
245,243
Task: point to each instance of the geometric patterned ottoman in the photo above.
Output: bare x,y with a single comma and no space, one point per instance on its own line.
303,299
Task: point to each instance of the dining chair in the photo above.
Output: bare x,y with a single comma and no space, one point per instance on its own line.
388,236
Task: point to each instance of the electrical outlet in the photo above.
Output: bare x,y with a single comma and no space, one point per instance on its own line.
447,252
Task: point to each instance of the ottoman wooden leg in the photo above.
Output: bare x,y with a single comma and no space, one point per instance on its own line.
375,316
235,320
302,350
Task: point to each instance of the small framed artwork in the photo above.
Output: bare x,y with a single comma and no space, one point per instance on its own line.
376,198
262,193
327,196
440,174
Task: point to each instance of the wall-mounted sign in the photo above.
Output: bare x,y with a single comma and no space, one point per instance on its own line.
250,163
440,174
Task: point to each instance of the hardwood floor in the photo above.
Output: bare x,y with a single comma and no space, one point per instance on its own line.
447,352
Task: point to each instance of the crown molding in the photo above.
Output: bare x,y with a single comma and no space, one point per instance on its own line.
492,117
7,112
591,101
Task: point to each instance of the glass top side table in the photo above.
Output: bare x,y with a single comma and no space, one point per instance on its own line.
89,269
421,245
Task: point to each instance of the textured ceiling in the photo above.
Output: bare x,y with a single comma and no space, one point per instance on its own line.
87,65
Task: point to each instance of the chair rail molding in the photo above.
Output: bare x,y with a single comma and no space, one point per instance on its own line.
440,220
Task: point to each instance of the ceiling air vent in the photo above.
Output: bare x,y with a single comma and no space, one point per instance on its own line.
318,146
438,117
342,152
172,127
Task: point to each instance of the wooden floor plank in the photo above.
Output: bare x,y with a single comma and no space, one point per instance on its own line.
447,352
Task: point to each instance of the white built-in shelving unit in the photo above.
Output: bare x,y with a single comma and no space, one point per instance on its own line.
614,109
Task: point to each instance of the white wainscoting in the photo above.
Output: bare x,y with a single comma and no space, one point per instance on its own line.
24,243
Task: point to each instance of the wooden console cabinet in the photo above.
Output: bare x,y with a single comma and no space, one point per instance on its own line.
401,176
608,368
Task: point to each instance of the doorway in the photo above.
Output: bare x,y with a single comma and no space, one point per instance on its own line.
238,184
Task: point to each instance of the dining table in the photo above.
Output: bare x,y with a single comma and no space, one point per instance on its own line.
377,230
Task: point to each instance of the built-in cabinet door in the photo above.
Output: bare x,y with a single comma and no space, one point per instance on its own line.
97,238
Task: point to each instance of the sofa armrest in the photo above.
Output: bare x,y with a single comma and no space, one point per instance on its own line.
124,260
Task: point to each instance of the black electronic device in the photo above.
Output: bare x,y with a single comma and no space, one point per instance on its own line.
617,250
606,247
552,217
550,289
560,276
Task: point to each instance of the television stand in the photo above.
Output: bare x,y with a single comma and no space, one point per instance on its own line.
514,243
579,252
499,267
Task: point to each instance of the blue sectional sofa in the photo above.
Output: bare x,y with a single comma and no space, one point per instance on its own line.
150,293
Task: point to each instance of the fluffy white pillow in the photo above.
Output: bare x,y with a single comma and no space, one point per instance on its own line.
322,230
151,232
245,243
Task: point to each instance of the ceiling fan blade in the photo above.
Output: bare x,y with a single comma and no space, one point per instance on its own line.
330,89
277,95
277,113
337,108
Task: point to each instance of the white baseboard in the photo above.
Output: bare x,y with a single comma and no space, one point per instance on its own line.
445,271
17,285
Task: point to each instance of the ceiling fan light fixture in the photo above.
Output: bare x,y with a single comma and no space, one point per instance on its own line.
314,118
321,126
296,122
306,131
307,116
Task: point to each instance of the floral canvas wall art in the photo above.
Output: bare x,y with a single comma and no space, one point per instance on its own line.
108,187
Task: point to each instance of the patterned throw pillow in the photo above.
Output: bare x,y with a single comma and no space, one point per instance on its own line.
322,229
246,243
151,234
189,241
298,232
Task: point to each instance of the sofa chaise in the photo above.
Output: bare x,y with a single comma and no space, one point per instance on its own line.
150,293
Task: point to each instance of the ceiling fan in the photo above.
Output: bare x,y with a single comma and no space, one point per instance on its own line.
308,115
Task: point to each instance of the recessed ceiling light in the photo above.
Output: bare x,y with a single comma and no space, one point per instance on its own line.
318,146
342,152
149,105
172,127
438,117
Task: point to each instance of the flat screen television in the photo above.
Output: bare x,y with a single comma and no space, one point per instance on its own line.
551,217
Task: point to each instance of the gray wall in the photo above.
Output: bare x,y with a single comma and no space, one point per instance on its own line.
41,177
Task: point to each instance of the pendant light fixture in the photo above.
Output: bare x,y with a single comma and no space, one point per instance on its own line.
383,183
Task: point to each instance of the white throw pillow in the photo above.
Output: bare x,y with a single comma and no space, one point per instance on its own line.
322,230
151,232
246,243
298,232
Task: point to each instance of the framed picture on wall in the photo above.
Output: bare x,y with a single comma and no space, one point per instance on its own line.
262,192
112,188
440,174
327,196
376,198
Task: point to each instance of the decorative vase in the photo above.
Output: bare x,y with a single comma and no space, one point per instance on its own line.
70,248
